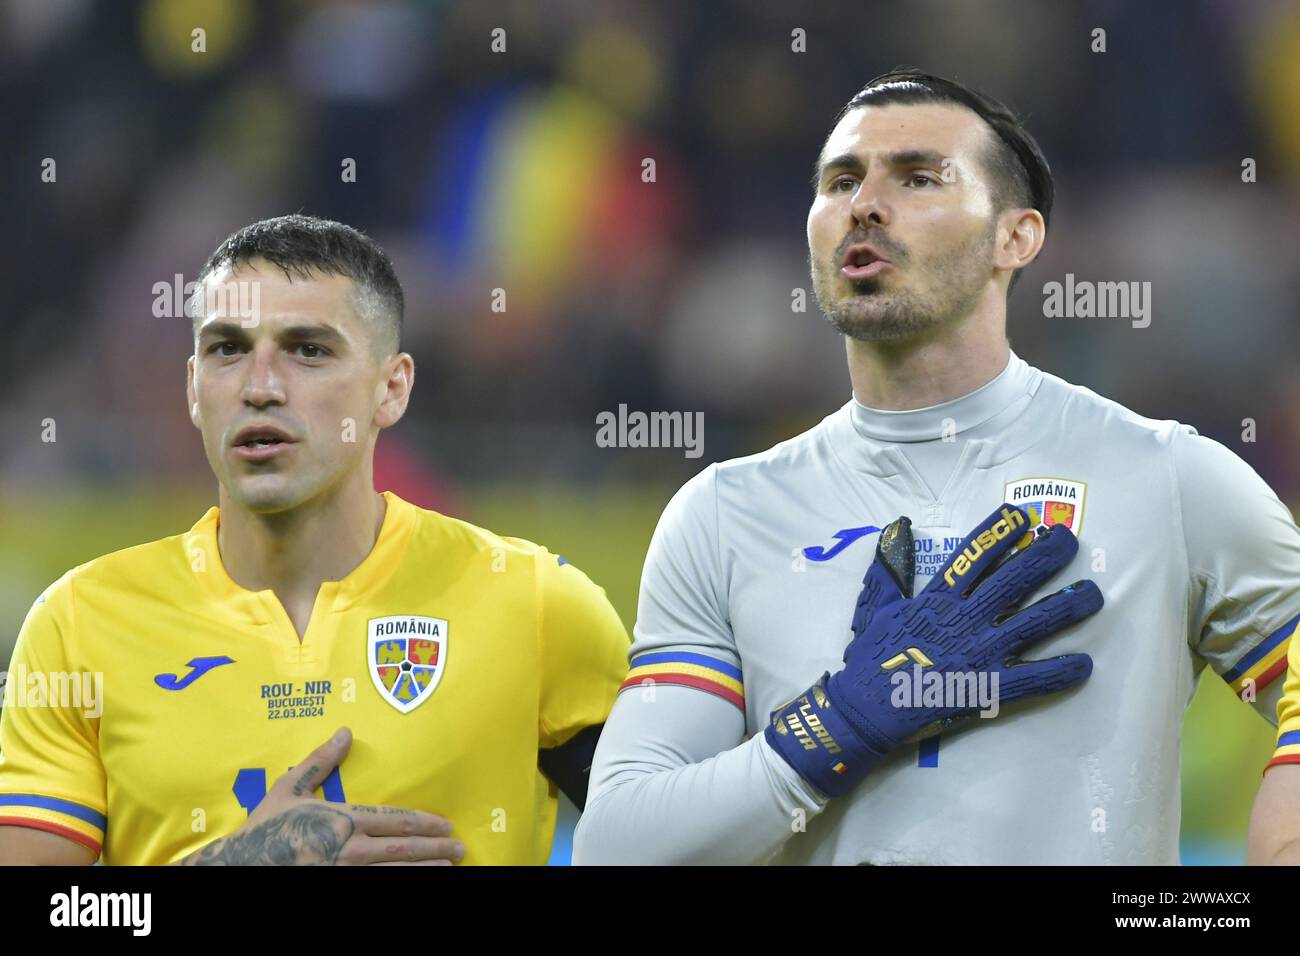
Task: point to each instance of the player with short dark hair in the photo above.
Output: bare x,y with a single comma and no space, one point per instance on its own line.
1014,166
301,246
781,707
471,672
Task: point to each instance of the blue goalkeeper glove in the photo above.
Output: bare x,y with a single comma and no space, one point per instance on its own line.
965,622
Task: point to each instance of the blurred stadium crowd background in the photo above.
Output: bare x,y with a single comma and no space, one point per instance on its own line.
522,170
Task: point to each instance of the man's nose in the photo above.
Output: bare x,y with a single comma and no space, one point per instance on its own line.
868,205
263,386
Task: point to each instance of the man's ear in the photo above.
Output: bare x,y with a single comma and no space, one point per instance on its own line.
1022,239
397,391
191,396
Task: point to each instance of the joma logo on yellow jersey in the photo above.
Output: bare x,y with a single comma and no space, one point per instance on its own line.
1010,522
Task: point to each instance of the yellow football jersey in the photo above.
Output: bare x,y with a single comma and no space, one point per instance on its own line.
152,701
1287,749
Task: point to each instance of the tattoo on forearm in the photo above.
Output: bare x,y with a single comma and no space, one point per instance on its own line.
311,835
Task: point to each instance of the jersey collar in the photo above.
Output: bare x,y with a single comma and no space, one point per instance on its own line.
953,417
204,556
868,440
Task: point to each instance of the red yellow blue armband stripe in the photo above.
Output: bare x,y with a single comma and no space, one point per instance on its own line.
1265,663
687,670
1288,749
69,819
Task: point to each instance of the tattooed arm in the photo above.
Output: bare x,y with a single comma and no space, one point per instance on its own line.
292,828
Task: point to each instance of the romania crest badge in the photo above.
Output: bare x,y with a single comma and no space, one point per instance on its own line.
1049,501
406,655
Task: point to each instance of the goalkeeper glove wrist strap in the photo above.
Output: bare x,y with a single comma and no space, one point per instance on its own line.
815,738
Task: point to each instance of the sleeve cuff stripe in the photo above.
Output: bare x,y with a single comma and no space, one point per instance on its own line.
75,835
1289,738
656,671
1263,673
686,680
93,817
1266,648
1274,671
685,657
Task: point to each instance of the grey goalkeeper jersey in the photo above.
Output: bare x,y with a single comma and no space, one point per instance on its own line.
748,592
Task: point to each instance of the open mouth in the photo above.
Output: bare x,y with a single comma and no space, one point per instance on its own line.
863,263
257,443
260,449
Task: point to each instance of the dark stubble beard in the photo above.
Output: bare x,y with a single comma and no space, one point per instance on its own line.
938,290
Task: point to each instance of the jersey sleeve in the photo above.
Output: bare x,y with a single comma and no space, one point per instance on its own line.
51,775
675,781
1288,713
583,650
1243,556
683,632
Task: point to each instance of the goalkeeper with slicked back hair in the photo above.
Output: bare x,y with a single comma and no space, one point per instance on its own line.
793,700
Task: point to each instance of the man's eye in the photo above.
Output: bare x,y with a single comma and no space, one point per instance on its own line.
220,348
925,178
838,185
316,350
